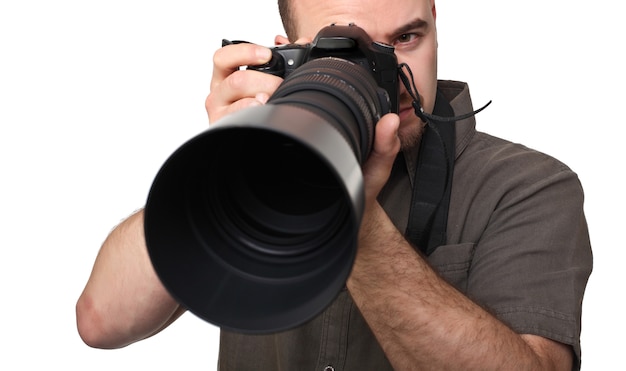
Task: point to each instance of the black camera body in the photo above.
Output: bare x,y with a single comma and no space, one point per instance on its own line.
351,43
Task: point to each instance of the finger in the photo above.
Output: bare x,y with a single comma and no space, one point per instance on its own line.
228,59
244,84
239,105
240,85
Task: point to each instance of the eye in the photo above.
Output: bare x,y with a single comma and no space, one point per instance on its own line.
406,38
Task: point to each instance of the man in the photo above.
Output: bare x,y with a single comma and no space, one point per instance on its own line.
503,293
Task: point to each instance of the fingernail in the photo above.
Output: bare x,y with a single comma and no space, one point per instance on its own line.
264,54
262,97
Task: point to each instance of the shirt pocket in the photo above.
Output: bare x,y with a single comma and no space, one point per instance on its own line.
453,262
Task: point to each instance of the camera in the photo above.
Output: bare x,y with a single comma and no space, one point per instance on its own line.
252,225
350,43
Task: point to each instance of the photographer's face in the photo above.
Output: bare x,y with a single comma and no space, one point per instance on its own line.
408,25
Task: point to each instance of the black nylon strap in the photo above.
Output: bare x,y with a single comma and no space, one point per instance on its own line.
430,201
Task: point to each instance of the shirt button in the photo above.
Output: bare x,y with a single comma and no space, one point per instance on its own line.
329,368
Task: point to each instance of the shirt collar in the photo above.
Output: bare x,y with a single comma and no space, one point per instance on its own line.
458,95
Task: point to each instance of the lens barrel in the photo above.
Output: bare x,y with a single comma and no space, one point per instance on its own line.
252,225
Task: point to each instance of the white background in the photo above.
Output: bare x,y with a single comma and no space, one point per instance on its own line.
94,95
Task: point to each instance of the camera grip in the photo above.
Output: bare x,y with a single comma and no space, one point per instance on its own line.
275,66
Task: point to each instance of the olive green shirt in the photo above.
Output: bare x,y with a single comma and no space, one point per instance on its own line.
517,244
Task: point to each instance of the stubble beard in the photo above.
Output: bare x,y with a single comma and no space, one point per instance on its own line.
411,134
411,128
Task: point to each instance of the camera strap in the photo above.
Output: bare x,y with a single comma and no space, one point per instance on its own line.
430,201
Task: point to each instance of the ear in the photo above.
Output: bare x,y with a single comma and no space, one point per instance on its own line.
280,40
434,10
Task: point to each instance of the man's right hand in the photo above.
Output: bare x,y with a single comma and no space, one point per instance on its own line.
233,88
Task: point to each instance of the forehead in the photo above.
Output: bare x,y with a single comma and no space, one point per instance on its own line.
377,17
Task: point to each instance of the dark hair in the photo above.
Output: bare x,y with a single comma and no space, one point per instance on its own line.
286,15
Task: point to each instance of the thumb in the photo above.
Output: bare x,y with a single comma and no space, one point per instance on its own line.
378,165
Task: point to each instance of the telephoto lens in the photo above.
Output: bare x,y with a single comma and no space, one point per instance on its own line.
252,225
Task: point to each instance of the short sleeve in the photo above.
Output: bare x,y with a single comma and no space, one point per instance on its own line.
531,264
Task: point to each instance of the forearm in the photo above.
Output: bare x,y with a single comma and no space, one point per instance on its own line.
421,321
123,301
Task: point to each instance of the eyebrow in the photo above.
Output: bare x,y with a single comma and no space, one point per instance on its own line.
413,25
